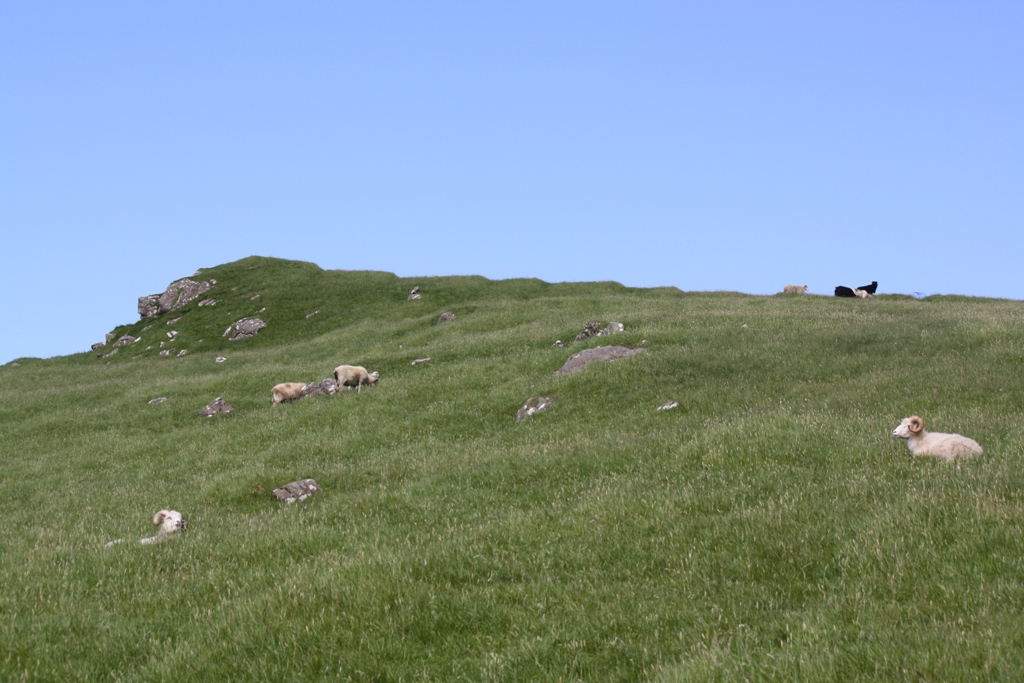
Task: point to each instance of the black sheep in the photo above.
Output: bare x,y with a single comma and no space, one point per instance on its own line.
845,292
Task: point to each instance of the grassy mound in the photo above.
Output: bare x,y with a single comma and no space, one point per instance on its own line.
768,528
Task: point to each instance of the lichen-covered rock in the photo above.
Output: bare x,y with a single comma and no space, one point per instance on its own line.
157,400
323,388
244,328
414,294
535,405
149,306
591,329
580,360
126,340
215,407
594,329
177,294
107,355
297,491
98,345
669,406
445,317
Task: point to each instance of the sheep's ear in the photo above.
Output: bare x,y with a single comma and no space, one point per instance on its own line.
158,518
916,425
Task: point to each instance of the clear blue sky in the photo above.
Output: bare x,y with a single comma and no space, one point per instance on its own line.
706,145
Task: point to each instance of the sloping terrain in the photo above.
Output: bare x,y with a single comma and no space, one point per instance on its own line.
768,528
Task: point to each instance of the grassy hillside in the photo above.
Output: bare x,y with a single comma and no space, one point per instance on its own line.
768,528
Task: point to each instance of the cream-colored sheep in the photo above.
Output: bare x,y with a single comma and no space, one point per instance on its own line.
862,293
348,376
794,289
943,446
288,391
169,522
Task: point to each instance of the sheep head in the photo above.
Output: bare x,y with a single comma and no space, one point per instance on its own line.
911,426
169,521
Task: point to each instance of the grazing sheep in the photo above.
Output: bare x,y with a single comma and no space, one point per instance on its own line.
862,294
169,522
943,446
794,289
353,376
870,289
289,391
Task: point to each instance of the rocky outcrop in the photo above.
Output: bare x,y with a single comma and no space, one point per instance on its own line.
594,329
580,360
535,405
177,294
323,388
297,491
215,407
244,328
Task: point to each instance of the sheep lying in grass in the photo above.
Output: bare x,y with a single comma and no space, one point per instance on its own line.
349,376
943,446
862,293
794,289
288,391
169,522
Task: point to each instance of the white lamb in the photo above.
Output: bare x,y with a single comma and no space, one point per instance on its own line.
946,447
862,293
794,289
169,522
348,376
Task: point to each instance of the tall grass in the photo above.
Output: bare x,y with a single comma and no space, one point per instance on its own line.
768,528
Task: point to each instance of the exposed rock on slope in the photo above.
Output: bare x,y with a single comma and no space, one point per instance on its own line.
594,329
246,327
178,293
580,360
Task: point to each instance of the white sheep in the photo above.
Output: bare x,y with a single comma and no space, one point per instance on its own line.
169,522
943,446
348,376
288,391
862,293
794,289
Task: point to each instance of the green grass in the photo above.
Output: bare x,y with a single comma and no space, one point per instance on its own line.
768,528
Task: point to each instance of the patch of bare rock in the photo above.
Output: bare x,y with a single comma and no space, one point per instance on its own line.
578,361
535,405
323,388
297,491
594,329
177,294
217,406
414,294
244,328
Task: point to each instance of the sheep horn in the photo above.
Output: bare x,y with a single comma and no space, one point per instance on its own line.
916,425
158,518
